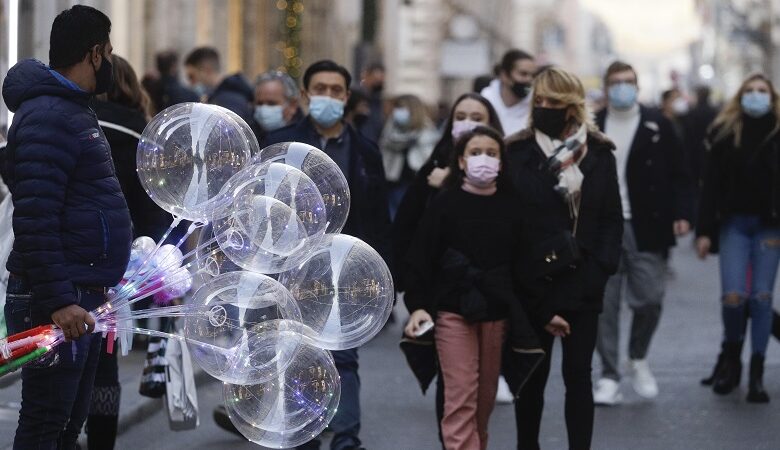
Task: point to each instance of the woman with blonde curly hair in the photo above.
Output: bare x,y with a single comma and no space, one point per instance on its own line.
564,172
740,212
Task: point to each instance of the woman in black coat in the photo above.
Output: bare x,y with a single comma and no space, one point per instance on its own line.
123,114
564,173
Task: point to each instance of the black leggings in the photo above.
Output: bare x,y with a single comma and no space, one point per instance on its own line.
576,367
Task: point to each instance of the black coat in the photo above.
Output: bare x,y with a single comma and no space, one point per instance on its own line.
718,186
235,94
369,215
659,187
173,92
410,211
599,229
123,127
71,222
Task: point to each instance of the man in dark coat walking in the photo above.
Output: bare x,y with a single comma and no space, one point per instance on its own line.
205,75
656,196
326,89
71,223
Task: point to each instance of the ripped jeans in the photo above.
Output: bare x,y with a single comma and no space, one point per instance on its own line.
746,243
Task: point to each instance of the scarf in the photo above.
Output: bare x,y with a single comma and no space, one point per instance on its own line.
563,159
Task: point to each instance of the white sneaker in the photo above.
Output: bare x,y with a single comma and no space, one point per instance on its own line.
642,379
607,392
504,394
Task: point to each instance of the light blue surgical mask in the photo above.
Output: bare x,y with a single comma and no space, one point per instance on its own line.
270,117
402,116
200,89
622,95
325,111
756,104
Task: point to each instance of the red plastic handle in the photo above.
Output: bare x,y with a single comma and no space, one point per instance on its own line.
31,332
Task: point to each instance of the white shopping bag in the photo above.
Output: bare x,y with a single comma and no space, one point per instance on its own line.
181,398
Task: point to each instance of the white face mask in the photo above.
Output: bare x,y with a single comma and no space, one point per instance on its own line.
680,106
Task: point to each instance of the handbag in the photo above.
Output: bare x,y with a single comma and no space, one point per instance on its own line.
181,397
155,365
558,252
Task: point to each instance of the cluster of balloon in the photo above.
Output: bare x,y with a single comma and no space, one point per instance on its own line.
280,286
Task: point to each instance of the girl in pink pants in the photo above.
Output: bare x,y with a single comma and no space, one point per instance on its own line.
461,261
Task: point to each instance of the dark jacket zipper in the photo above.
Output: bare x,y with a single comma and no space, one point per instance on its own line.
106,235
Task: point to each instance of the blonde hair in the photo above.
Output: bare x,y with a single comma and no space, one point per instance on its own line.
562,86
418,113
729,121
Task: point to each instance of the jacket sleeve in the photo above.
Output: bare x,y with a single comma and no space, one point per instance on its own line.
707,223
610,236
679,174
42,163
376,215
423,254
407,217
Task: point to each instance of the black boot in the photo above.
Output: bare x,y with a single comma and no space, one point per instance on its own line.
728,376
711,379
756,392
776,325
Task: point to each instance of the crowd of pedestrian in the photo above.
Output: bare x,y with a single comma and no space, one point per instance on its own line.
517,217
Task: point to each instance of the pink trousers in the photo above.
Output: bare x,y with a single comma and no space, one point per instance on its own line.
470,359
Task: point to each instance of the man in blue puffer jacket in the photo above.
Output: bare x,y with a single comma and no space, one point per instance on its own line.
71,223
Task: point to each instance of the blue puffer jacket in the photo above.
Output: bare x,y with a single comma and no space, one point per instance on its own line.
71,222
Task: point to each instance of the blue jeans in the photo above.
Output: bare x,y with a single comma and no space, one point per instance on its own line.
745,243
346,422
56,392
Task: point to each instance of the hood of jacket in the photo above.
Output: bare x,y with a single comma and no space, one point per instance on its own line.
236,83
31,78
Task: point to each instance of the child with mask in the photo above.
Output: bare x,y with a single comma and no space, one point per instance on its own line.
468,111
461,259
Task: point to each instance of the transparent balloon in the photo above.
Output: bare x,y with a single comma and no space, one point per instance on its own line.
249,134
211,260
329,179
141,249
292,408
232,337
288,185
344,291
186,154
262,234
167,256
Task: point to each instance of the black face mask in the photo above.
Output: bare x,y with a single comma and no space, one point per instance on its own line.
550,121
104,77
521,89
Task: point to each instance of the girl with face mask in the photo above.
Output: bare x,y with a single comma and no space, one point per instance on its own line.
468,111
739,215
461,261
560,166
406,143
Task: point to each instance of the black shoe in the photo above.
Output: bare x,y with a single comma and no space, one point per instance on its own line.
756,392
776,325
223,420
711,379
728,377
